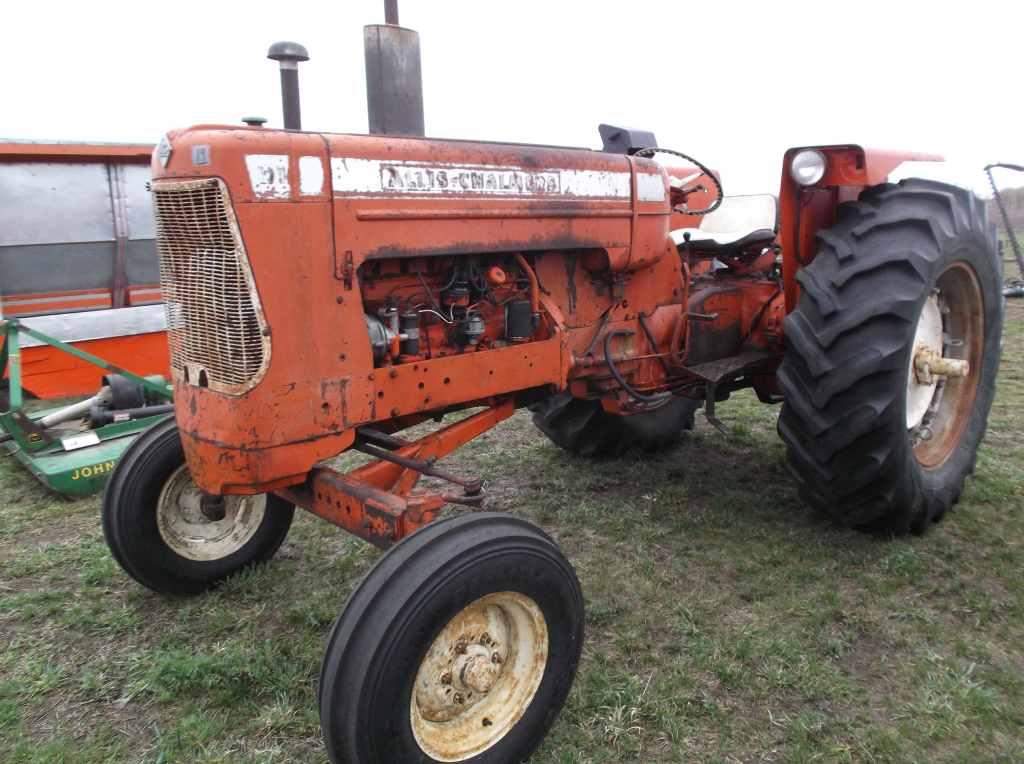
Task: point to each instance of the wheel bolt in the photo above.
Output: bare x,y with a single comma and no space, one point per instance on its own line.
446,677
458,699
496,658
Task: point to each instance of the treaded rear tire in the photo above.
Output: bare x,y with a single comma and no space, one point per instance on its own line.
584,428
850,342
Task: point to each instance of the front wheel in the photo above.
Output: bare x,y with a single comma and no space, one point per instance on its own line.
460,645
170,536
892,356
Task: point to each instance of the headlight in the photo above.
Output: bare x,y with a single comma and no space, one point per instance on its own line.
808,167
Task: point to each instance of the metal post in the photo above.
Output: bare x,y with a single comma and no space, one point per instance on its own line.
288,55
119,207
391,12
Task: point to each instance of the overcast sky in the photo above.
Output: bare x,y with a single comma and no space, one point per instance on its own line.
733,83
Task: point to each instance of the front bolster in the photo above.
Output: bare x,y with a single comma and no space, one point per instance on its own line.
219,468
268,436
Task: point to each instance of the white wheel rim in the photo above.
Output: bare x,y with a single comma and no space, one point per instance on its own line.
479,676
201,536
945,365
927,337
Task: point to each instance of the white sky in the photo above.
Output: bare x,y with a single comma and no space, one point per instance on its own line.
733,83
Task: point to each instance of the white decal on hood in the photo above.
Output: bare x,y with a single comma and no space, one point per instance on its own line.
268,174
311,175
378,176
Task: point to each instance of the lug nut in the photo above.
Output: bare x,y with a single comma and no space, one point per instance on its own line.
458,699
446,677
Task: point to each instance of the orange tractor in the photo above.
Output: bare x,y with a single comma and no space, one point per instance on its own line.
327,292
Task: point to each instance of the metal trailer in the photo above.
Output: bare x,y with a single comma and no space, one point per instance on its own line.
78,260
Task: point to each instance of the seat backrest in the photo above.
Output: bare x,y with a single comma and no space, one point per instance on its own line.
753,212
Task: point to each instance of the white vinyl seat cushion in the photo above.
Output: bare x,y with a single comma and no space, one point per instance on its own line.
739,220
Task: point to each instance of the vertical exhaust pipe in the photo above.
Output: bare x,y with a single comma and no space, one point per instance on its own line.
288,55
394,80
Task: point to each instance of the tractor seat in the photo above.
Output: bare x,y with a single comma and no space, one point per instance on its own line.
740,224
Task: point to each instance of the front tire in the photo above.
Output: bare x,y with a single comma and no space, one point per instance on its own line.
169,536
461,644
907,279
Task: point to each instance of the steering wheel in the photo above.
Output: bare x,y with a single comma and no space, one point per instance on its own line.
681,188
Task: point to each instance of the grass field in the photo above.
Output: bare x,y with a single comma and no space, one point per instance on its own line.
726,622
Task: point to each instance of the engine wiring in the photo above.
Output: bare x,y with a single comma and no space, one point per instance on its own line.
446,320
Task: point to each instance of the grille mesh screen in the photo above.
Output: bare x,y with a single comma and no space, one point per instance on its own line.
214,327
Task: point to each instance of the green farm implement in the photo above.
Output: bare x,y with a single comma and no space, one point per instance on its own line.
72,449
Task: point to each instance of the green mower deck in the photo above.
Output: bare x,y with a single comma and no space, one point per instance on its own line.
84,470
71,461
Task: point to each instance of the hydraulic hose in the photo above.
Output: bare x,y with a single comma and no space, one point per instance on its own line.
630,390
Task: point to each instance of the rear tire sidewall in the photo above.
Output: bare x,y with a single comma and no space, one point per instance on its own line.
130,521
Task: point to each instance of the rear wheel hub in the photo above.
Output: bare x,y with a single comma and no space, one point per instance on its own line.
942,377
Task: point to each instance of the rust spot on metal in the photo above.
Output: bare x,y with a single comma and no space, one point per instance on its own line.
377,502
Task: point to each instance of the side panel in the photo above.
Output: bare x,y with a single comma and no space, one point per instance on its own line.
323,216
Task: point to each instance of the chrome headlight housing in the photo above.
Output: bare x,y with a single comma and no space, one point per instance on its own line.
808,167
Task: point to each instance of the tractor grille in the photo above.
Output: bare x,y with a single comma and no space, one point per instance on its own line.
215,327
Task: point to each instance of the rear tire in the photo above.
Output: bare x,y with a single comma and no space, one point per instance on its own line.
461,644
584,428
162,535
869,442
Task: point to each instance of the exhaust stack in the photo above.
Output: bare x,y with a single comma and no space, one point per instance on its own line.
394,81
288,55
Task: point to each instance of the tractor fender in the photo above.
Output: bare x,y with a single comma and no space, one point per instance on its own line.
852,165
804,210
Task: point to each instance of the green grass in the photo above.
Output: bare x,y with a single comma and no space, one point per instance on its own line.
725,621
